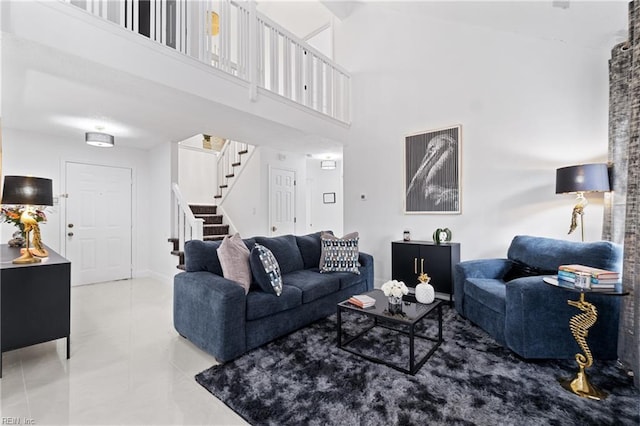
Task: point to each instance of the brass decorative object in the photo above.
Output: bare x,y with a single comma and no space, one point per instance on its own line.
29,224
38,248
26,192
580,325
424,278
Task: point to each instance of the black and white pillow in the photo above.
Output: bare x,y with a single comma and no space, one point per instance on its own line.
340,254
266,270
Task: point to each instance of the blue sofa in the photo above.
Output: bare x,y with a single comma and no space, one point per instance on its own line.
528,316
215,314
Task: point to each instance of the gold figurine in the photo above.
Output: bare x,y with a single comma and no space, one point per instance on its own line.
580,325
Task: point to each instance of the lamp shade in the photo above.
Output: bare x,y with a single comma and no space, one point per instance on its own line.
582,178
27,190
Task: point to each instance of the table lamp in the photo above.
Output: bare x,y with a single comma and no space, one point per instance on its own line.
27,192
578,180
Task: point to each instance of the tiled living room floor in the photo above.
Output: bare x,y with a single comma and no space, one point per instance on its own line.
127,366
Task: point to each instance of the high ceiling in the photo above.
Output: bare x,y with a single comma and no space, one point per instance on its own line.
53,93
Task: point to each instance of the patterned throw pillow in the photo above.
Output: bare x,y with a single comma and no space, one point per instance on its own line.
340,254
266,270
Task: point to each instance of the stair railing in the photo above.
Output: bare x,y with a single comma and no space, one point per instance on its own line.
230,165
186,225
247,45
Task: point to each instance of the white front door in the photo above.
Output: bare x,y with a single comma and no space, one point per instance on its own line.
282,204
98,223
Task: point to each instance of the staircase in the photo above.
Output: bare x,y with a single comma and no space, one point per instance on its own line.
203,222
212,229
233,157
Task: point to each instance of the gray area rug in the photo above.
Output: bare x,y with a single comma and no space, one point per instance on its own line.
304,379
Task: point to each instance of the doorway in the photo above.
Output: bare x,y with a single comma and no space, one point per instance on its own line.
282,205
98,222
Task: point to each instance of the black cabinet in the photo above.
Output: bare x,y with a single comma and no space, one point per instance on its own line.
410,258
35,300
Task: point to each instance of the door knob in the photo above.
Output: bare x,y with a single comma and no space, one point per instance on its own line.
274,229
70,234
70,225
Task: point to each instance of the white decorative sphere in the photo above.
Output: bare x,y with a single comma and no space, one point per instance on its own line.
425,293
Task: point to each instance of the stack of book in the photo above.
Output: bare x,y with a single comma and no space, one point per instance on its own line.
601,279
362,301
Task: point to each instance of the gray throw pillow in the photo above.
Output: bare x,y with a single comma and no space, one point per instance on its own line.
234,259
266,270
339,254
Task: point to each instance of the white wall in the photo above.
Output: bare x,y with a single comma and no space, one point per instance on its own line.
321,216
247,205
163,171
527,107
197,175
45,155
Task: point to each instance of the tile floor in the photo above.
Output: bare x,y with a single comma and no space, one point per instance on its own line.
128,366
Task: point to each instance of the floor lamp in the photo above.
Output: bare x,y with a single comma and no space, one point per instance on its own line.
578,180
27,192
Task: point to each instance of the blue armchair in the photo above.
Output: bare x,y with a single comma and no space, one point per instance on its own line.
528,316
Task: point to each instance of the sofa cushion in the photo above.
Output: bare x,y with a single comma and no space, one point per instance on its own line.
310,248
347,279
266,270
202,256
548,253
489,292
339,254
312,284
261,304
234,259
519,270
286,251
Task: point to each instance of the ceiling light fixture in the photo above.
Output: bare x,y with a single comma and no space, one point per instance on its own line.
102,140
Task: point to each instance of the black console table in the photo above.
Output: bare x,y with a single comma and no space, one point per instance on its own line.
35,300
411,258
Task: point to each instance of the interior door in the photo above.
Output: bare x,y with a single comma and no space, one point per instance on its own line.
98,223
282,201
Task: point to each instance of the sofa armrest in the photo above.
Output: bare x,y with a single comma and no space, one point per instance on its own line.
210,311
366,268
537,321
482,268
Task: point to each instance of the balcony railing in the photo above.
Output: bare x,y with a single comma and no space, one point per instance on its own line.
247,45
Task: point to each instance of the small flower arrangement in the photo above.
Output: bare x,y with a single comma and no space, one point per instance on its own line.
12,215
394,288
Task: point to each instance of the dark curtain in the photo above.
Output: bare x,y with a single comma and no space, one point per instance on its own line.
621,219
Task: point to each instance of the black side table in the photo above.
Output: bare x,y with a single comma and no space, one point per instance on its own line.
35,300
580,325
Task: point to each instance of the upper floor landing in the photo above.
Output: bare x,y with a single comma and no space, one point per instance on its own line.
225,53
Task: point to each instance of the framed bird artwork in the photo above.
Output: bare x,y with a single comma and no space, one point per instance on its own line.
432,171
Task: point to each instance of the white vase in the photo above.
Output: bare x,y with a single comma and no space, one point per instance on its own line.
425,293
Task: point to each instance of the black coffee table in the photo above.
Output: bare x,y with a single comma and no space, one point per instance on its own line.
412,314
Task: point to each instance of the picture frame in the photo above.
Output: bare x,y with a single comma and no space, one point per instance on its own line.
432,171
329,197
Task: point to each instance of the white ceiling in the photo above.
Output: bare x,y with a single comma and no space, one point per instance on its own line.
48,92
584,23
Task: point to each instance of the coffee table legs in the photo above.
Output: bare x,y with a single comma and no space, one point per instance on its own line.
413,366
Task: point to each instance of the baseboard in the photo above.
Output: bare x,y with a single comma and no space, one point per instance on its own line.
164,279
